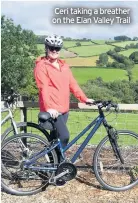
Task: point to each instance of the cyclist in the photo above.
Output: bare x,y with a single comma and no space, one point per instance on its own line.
55,81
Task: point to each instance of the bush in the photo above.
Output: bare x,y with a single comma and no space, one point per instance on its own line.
117,49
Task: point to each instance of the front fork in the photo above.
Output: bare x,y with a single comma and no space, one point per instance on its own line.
113,136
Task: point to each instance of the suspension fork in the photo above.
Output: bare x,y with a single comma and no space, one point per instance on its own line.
112,134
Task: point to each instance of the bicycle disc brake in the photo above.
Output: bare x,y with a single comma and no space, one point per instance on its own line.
72,171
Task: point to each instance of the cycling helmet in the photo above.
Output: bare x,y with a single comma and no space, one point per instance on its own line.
54,41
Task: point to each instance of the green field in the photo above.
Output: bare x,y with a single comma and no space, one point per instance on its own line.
99,41
128,52
67,44
77,123
91,50
102,41
82,75
135,72
123,44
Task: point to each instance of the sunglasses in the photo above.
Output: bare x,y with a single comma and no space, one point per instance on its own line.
54,48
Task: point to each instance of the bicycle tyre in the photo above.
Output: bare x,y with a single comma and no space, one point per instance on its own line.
21,136
23,125
97,157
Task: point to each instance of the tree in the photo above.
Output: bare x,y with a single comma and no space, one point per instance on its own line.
134,57
78,44
103,59
18,51
122,38
127,46
129,74
117,49
135,38
132,45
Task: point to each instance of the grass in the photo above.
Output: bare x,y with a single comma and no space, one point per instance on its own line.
79,61
76,122
91,50
88,61
102,41
123,44
82,74
135,72
128,52
67,44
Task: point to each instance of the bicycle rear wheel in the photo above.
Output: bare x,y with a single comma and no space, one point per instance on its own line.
26,127
108,169
19,180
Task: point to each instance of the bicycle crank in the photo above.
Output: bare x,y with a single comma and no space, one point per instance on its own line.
65,171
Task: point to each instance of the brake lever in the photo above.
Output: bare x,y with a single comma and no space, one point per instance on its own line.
108,107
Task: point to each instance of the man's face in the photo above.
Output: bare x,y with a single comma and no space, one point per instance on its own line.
54,52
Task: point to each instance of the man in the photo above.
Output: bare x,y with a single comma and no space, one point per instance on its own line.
55,81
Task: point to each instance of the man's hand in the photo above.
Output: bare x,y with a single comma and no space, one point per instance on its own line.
54,113
90,101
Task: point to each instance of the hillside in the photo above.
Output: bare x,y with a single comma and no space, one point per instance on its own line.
88,53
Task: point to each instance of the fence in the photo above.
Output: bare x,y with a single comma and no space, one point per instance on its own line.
81,115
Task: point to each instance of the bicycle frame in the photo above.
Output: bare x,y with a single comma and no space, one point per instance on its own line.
9,117
96,123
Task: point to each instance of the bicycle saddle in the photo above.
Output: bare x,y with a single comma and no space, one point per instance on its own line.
43,116
45,120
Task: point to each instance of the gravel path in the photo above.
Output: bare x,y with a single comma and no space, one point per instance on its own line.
83,189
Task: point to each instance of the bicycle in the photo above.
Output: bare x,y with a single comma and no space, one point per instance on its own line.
10,101
20,127
34,166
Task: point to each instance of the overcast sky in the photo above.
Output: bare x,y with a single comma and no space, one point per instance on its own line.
37,16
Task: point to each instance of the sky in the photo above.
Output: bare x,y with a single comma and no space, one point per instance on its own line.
37,15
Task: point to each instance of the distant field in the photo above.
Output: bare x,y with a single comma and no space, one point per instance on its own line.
99,41
82,75
135,72
123,44
91,50
128,52
89,61
102,41
73,43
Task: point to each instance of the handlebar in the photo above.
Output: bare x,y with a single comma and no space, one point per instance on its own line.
11,97
107,104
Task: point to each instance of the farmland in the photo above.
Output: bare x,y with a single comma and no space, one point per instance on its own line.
127,52
91,50
73,43
123,44
102,41
84,74
86,56
88,61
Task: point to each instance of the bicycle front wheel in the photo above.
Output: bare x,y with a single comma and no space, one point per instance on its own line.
108,169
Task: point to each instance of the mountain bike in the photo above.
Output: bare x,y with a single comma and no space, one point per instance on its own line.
34,166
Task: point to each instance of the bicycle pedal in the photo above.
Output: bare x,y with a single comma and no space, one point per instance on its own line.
60,182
